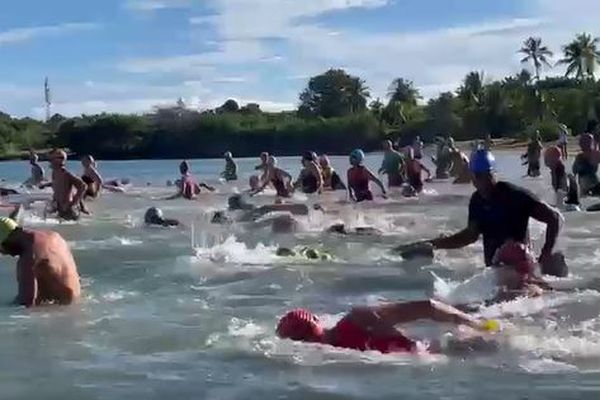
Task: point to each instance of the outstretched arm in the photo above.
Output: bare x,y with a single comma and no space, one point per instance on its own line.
552,218
399,313
376,180
459,240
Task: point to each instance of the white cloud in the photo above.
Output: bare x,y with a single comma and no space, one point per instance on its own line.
25,34
153,5
230,79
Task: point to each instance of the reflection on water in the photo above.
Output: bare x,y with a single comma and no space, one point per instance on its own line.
190,312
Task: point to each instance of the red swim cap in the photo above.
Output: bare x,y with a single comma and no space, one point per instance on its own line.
517,255
300,325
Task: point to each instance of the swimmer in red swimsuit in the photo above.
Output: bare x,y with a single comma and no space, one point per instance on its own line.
359,177
374,328
188,187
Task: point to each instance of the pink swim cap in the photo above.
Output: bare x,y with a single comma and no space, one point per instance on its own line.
517,255
300,325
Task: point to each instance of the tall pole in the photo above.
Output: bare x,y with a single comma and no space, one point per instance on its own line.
47,98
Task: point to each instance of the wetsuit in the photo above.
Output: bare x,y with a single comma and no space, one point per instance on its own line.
413,173
309,183
391,167
358,180
505,215
346,334
588,178
230,173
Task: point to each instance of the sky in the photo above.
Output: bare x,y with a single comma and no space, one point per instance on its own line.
127,56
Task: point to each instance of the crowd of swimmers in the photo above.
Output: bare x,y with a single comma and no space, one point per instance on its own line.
498,211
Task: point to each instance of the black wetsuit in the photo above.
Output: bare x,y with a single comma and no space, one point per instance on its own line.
588,175
309,183
502,217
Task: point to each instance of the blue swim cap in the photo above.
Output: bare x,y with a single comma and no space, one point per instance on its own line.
357,155
482,161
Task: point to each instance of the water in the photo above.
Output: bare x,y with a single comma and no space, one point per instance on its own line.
160,319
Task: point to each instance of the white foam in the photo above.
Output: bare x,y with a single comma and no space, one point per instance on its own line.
115,241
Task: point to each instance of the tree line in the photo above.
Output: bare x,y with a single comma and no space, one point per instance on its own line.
336,114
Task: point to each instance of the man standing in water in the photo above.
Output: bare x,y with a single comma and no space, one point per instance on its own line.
500,211
46,270
392,165
69,190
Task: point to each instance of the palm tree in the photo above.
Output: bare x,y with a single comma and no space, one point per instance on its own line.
472,89
356,93
536,53
581,56
404,91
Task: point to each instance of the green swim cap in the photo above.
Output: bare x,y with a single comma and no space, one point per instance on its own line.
7,226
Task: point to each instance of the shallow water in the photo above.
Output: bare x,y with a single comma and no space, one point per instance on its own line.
190,313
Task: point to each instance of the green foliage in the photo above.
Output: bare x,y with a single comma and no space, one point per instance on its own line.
334,93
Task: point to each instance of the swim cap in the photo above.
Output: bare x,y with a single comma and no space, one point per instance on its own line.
552,153
228,154
324,161
153,215
482,161
517,255
309,156
299,325
7,226
358,156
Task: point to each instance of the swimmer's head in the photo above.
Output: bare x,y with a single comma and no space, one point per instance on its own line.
387,145
58,158
308,157
254,182
586,142
357,157
264,157
154,216
228,155
482,166
516,255
184,167
7,227
552,156
300,325
87,161
33,157
272,161
324,161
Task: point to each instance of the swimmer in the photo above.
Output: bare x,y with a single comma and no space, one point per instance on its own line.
310,179
281,180
46,270
359,177
69,190
188,187
414,171
237,203
154,216
533,156
561,184
118,185
441,160
306,252
392,165
499,211
563,140
263,166
374,328
230,173
358,231
460,168
37,172
417,146
331,179
91,176
585,167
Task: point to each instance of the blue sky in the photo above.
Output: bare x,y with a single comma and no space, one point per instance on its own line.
129,55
